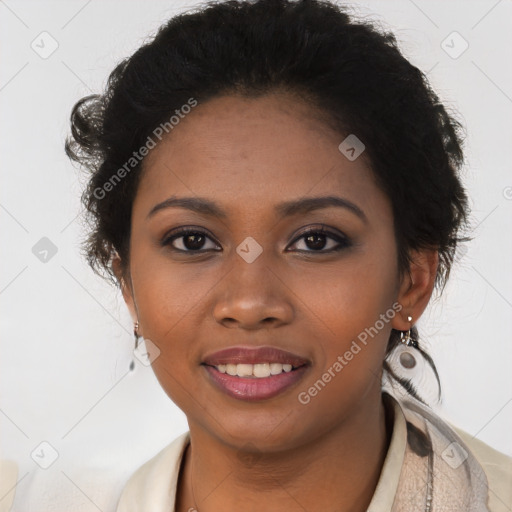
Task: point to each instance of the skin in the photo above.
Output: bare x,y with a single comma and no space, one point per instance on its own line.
249,155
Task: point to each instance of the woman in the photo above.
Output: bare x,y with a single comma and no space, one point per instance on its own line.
275,189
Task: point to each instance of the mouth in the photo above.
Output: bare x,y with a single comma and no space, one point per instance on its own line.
254,373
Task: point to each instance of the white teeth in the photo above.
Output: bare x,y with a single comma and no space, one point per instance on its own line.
276,368
231,369
259,370
244,370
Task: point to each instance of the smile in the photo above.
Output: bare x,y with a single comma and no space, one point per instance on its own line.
253,387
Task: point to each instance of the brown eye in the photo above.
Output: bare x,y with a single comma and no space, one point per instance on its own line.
321,240
188,240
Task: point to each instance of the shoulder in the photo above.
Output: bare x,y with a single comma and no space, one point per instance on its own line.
154,483
497,467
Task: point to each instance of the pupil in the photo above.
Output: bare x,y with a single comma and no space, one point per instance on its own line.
316,244
197,242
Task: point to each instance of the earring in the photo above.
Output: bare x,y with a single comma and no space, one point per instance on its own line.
406,358
136,334
408,367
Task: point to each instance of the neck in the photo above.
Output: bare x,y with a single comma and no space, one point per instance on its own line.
345,463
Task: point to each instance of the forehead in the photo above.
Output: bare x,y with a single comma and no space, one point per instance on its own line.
252,152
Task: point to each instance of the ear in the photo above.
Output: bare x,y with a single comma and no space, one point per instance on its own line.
125,285
416,287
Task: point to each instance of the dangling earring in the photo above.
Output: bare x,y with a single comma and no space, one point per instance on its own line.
407,365
406,358
136,334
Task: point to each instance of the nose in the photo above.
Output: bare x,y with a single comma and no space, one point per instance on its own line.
252,296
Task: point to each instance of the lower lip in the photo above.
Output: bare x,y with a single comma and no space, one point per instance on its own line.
253,389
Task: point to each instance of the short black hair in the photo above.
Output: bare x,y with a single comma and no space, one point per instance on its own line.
352,72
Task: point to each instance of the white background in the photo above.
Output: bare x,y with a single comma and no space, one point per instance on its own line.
66,335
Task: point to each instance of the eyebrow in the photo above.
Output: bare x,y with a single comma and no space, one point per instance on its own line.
286,209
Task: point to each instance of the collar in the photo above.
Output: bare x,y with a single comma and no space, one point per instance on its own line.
385,492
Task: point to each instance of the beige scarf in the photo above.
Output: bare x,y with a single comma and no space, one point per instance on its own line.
439,473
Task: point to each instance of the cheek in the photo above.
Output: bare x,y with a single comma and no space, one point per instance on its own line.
351,342
167,298
350,309
352,293
166,294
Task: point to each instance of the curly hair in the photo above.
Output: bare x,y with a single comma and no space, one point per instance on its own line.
352,72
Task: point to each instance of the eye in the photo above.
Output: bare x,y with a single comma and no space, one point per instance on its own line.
189,240
316,239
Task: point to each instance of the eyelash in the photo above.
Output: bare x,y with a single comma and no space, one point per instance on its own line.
343,241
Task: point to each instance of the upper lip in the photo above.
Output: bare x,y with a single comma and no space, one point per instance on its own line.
252,355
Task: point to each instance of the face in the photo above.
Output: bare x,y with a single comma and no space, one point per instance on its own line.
308,281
